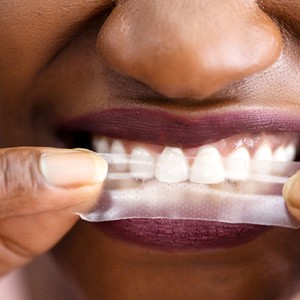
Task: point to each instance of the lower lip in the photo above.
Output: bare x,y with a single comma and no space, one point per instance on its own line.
165,234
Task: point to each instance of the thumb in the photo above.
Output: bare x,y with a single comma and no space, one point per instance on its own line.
34,180
291,193
39,189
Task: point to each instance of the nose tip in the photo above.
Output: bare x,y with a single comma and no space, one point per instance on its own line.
189,51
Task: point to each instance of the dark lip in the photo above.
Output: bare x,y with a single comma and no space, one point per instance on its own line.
181,235
164,128
182,130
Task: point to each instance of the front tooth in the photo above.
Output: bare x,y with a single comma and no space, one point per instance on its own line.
100,144
237,164
264,152
172,166
117,147
207,167
141,164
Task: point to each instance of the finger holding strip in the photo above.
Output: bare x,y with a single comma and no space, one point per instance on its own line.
39,190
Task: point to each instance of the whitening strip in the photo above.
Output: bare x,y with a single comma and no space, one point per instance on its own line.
249,192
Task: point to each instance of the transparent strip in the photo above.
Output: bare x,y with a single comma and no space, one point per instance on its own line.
254,198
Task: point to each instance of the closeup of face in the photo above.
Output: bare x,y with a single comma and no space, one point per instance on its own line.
159,77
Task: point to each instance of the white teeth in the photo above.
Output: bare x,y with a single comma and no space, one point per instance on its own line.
142,165
285,154
291,151
264,152
100,144
207,167
117,147
238,170
172,166
280,154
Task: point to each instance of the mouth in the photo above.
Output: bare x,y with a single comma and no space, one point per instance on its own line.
173,139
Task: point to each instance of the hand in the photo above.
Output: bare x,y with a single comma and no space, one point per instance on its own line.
40,189
291,193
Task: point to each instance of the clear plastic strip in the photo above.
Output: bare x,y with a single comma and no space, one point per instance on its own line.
253,198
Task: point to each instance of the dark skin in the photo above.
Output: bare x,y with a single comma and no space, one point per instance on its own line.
61,59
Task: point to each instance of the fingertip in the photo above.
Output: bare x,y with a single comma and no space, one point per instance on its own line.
291,194
294,211
73,169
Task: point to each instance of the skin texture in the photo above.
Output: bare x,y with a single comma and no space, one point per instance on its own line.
62,59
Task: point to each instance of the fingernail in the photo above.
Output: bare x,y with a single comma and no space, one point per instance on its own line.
74,168
291,190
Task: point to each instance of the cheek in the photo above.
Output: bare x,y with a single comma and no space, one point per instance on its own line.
32,33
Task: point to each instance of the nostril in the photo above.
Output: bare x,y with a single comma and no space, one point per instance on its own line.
189,51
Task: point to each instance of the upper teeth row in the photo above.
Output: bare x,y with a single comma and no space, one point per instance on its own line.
207,167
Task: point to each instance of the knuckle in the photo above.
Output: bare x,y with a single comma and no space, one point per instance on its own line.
18,173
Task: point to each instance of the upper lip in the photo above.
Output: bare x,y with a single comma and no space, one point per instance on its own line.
158,126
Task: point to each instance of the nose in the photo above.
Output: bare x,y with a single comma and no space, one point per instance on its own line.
189,49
